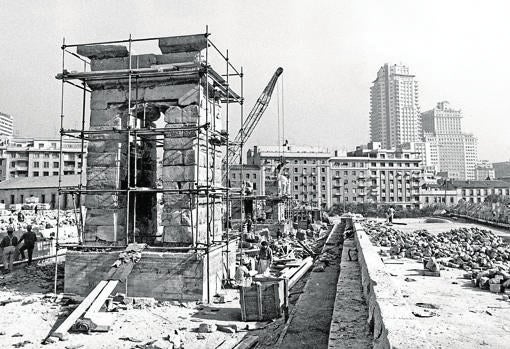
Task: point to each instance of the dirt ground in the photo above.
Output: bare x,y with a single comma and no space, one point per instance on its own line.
466,317
35,312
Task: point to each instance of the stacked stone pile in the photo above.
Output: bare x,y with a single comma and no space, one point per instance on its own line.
492,279
465,248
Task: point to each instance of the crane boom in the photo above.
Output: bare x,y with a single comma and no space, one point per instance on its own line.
252,120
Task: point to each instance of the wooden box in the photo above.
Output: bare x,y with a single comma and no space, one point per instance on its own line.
266,299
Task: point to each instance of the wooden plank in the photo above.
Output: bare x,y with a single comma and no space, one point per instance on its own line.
247,342
101,298
75,315
259,300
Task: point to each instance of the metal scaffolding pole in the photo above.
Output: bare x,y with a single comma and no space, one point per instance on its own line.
207,166
60,169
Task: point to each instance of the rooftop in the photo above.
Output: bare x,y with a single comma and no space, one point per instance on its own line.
481,184
39,182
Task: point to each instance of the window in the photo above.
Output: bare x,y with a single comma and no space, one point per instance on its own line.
304,162
13,164
247,176
296,179
296,187
46,173
55,164
295,169
296,196
46,164
36,156
346,173
55,173
323,179
43,198
35,174
233,175
54,155
254,176
337,173
36,164
46,156
41,145
323,169
254,186
353,173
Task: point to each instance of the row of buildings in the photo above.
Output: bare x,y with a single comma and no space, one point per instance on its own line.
369,174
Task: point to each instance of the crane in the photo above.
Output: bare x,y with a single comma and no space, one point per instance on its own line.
251,121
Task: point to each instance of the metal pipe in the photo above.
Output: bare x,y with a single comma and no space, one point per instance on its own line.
227,183
207,164
128,151
130,40
82,151
60,171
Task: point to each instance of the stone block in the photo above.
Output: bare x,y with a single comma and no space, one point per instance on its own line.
100,99
178,174
102,51
191,114
177,233
104,177
166,92
192,97
173,157
109,233
190,157
178,57
96,145
111,117
173,115
185,43
105,216
118,63
102,159
104,201
173,201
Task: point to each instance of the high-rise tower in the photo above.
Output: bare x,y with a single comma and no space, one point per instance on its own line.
395,112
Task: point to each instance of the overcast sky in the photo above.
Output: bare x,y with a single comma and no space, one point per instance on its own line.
330,51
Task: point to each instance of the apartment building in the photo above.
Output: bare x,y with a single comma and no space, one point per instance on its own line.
39,157
394,107
457,151
306,168
502,170
371,174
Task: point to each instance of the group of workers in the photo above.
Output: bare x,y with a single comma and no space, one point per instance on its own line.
10,244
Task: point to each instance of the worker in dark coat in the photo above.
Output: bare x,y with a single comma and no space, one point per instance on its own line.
8,246
265,258
29,239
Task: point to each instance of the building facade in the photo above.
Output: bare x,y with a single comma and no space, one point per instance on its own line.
39,157
6,126
248,173
17,190
306,168
371,174
484,170
457,151
502,170
394,107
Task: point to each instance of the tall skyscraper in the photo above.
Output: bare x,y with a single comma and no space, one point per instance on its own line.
457,151
395,111
6,125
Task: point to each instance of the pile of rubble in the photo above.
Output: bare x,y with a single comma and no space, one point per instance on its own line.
464,248
493,279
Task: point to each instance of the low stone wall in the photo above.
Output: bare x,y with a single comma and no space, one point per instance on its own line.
162,275
394,325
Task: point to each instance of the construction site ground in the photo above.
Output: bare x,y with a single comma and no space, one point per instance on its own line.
32,311
466,316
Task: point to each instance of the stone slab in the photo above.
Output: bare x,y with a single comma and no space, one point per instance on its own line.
102,51
186,43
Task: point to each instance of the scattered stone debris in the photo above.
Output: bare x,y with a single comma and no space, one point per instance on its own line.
206,328
464,248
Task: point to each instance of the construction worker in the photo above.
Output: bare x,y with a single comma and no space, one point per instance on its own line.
29,238
8,246
249,224
243,276
265,258
391,214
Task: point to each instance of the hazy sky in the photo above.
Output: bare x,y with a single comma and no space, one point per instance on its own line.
330,51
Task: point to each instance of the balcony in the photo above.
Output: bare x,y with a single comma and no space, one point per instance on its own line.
361,184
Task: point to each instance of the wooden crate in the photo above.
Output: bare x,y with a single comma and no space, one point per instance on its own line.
264,300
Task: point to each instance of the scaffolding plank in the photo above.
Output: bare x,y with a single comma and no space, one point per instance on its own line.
101,298
75,315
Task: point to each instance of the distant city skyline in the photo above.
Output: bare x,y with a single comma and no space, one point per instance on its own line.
329,63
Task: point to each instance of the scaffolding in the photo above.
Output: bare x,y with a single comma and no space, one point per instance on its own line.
217,86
